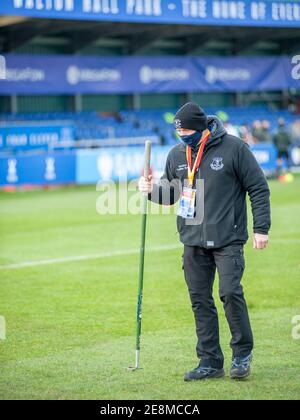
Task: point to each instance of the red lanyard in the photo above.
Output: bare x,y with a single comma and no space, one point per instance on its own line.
192,171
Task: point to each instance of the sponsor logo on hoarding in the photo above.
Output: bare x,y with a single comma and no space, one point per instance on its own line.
76,75
50,174
27,74
149,74
12,175
214,74
2,68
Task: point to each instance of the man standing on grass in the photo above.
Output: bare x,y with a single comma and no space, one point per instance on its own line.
211,172
282,141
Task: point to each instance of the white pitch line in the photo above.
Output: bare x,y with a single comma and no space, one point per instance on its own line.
113,254
87,257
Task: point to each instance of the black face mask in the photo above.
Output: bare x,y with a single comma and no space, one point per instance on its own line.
192,140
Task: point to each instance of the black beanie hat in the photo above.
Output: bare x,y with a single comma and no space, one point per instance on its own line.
191,116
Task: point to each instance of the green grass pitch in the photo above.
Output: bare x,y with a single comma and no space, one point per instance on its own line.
71,325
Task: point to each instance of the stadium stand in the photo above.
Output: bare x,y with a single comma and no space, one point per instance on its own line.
78,82
132,127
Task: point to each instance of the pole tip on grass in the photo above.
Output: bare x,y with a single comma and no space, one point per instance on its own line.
133,368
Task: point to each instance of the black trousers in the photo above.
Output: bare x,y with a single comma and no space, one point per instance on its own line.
199,269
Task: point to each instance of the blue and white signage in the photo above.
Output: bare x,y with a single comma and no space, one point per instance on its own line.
275,13
38,169
24,137
116,164
29,75
110,164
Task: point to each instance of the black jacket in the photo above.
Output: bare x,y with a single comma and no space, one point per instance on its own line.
229,170
282,140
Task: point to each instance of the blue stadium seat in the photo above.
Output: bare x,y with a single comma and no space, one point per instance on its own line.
92,125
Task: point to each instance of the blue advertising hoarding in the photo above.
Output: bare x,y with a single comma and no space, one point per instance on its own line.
30,75
38,169
126,164
117,164
25,137
107,164
275,13
266,156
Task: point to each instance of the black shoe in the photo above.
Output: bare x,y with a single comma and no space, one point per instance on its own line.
201,372
240,368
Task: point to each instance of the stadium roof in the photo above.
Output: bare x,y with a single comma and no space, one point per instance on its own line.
136,38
